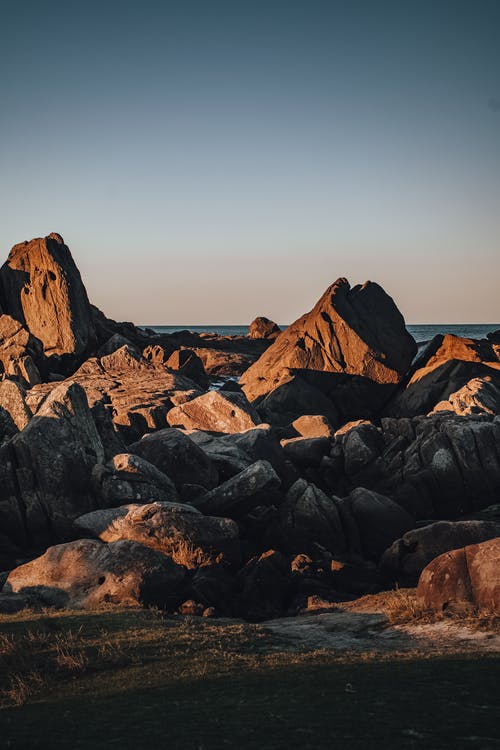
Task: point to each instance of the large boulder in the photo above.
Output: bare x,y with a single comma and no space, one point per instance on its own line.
307,518
215,412
178,531
45,470
130,479
14,412
41,287
178,457
263,328
88,574
352,333
379,521
255,485
441,370
466,576
406,558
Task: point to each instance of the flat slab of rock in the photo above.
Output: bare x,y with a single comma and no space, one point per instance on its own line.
215,412
178,531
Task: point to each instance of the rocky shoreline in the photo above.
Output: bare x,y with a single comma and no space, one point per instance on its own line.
334,461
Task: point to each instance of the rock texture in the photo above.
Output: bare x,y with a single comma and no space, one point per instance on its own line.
466,576
406,558
41,287
177,531
45,470
87,574
263,328
351,333
215,412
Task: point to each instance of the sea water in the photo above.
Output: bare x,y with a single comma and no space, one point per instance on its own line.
423,332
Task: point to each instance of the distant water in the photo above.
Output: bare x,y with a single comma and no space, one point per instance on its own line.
419,332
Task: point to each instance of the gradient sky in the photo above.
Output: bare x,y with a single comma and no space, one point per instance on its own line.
211,161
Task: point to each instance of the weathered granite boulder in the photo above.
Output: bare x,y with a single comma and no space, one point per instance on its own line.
352,348
215,412
444,367
379,521
263,328
178,457
313,426
477,396
466,576
303,451
441,466
263,587
190,365
14,412
178,531
406,558
307,518
130,479
45,470
21,354
41,287
255,485
88,574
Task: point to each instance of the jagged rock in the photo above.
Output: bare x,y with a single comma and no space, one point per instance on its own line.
231,453
178,531
88,574
115,342
253,486
136,394
264,587
306,452
466,576
215,412
263,328
14,412
444,367
309,517
313,426
379,521
218,362
440,466
190,365
406,558
478,396
353,348
45,470
130,479
21,354
42,288
178,457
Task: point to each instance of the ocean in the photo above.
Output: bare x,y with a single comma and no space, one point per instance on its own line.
423,332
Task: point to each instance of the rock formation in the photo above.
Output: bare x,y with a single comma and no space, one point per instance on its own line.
263,328
352,349
41,288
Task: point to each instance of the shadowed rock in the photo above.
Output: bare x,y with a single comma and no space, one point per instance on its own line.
253,486
406,558
131,479
178,531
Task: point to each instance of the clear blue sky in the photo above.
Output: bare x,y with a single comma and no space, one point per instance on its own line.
211,161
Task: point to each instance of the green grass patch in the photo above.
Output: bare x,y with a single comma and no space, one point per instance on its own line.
137,679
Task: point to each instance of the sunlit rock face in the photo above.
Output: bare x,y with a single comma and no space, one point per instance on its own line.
42,288
353,339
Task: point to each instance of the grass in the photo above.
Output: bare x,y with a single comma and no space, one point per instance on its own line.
134,679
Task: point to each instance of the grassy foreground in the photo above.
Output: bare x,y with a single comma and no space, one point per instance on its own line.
134,679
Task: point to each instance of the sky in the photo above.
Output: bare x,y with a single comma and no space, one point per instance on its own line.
207,162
